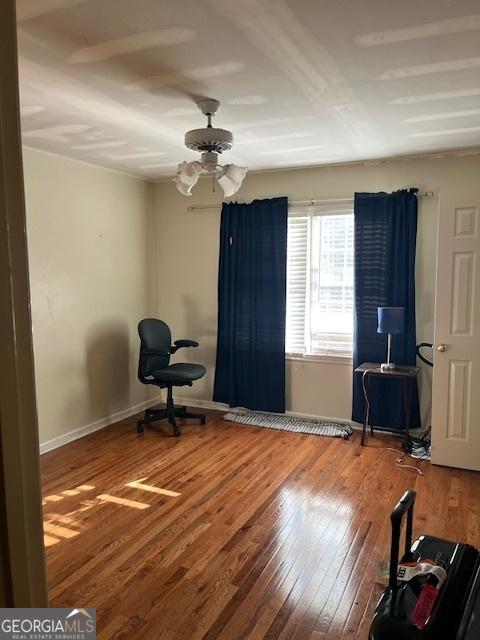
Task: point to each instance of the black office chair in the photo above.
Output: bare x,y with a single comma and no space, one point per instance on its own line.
154,368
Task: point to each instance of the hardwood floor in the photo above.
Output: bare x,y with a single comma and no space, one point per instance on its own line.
233,532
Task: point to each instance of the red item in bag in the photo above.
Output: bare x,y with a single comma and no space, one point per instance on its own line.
424,606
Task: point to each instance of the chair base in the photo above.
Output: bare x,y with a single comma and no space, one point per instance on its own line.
170,413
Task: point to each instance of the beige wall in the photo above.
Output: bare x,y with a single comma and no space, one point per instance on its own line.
188,263
106,249
89,251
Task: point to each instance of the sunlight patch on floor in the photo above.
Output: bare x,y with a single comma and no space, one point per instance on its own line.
105,497
49,541
139,484
53,498
58,530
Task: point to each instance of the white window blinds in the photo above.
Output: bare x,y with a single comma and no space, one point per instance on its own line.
320,281
297,282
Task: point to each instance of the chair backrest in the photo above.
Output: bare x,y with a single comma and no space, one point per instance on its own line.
154,336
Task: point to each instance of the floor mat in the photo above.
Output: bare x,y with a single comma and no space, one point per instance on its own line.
288,423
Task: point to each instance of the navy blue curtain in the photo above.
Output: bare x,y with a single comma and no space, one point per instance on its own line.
250,368
385,243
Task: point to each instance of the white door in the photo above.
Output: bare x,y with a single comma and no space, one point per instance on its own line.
456,372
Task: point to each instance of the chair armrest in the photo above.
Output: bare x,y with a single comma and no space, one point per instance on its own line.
184,343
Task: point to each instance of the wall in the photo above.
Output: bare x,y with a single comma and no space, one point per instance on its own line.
188,261
91,280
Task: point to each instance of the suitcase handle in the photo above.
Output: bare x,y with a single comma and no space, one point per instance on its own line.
404,507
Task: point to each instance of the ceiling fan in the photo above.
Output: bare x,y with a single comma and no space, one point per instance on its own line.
210,141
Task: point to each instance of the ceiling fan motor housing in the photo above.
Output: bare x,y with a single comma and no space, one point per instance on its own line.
209,139
210,142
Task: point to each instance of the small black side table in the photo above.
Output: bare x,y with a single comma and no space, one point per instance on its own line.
402,373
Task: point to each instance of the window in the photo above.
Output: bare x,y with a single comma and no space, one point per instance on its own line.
320,282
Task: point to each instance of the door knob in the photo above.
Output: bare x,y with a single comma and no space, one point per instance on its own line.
442,347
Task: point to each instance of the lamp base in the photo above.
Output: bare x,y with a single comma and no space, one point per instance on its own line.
388,366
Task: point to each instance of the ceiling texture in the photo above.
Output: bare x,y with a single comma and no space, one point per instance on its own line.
301,82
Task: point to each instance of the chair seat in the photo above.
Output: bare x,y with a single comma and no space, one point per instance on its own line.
180,371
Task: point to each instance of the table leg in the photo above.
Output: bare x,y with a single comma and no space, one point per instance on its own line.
362,441
365,413
407,403
369,421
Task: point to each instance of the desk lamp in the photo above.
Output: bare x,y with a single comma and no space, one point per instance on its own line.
391,320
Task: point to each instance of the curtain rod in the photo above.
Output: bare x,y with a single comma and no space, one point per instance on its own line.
311,202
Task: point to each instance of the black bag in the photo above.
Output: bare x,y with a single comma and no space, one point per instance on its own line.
456,611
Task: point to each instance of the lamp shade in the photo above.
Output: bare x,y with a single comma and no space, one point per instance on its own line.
391,320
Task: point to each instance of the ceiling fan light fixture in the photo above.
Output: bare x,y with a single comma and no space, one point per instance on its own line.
210,141
187,177
231,179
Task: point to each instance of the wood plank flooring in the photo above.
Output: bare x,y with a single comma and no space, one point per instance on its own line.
232,532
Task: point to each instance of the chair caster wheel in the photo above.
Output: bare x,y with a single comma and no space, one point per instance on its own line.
140,428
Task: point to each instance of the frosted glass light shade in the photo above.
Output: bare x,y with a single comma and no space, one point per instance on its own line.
232,179
188,174
229,177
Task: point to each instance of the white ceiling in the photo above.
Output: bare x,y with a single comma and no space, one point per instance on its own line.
302,82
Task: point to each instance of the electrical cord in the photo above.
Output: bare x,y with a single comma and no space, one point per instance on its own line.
399,463
425,440
400,460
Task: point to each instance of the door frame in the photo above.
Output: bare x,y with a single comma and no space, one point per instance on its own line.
22,559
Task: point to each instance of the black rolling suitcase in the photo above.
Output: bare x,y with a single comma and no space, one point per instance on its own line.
434,593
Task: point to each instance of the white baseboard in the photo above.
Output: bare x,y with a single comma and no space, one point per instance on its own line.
201,404
312,416
75,434
219,406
